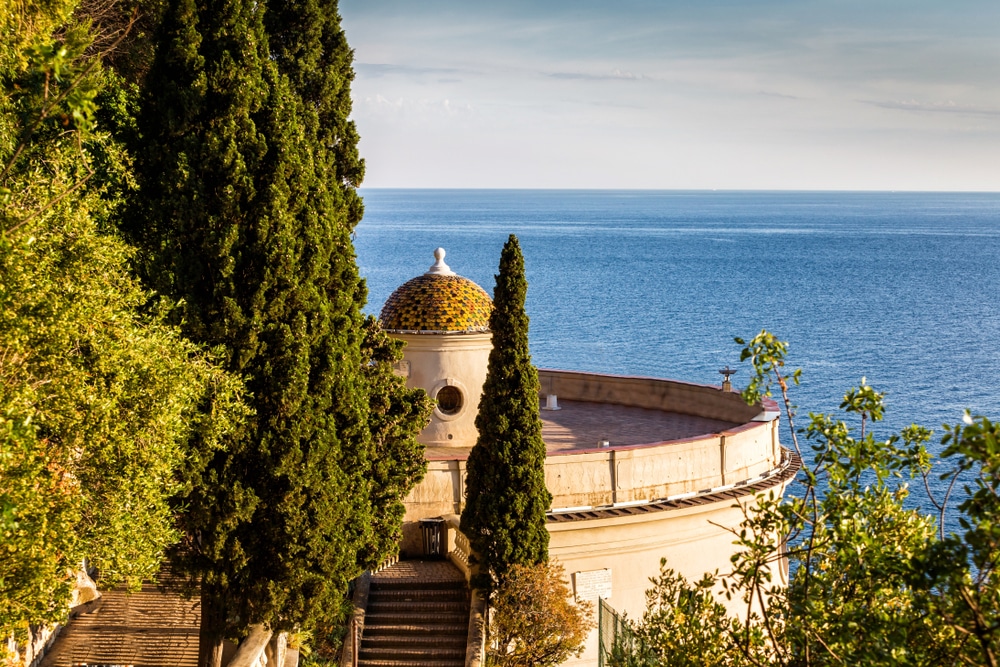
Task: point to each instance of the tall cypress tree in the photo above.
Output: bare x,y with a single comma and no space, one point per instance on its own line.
248,167
506,497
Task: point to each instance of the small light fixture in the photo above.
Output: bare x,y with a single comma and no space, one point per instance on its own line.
726,372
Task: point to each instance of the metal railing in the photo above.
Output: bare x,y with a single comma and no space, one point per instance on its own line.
618,646
460,554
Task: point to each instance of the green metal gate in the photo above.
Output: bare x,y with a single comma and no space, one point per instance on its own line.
617,644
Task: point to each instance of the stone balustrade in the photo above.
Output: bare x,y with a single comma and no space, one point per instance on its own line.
458,547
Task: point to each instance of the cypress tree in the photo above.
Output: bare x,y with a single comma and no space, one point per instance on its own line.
247,168
506,497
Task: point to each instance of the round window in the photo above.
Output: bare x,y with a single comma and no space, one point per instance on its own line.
449,400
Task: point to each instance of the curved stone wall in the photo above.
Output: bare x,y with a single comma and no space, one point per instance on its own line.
628,474
661,471
618,510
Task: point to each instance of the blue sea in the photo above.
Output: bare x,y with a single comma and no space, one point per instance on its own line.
901,288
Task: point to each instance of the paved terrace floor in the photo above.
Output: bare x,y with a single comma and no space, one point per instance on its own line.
419,572
581,425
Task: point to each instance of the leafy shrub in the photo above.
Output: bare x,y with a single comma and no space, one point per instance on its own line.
533,621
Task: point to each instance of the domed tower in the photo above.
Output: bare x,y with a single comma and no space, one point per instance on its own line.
444,320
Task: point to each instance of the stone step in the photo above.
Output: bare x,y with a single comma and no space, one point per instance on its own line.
454,624
411,663
427,655
404,584
419,594
417,616
417,607
415,640
408,625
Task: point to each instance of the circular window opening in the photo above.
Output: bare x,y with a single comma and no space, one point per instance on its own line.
449,400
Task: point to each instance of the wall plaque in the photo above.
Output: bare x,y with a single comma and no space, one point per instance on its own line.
402,368
592,584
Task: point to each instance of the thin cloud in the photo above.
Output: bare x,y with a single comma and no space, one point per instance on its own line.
948,106
417,107
614,75
387,69
784,96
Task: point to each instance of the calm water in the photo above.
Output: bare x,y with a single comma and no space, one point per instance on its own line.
901,288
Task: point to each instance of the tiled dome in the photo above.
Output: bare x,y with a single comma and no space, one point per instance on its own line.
439,300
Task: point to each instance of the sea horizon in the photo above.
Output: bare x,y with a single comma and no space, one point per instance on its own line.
365,188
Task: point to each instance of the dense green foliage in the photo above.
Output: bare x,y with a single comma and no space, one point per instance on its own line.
394,416
874,580
118,436
247,168
98,396
506,498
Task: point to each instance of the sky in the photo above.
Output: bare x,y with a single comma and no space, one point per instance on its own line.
678,94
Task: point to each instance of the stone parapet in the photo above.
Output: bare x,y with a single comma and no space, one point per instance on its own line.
661,471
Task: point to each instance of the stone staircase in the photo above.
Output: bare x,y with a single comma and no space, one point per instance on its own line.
156,625
417,616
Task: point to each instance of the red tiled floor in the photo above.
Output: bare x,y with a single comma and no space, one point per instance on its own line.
580,425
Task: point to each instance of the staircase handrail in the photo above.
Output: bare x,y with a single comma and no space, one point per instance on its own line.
461,555
387,563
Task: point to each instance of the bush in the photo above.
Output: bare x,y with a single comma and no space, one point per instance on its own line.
874,580
533,622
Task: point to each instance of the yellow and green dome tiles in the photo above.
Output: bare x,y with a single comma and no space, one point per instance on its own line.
435,302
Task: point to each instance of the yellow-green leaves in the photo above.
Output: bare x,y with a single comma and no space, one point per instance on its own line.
533,621
99,398
874,578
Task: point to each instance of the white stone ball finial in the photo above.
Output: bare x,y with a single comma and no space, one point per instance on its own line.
439,268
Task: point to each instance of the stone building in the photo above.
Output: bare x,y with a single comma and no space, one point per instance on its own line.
639,468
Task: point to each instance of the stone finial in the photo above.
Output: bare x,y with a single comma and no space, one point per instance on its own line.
439,268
